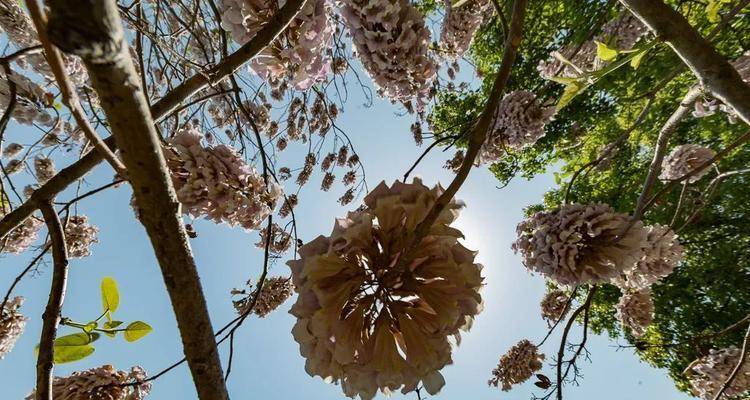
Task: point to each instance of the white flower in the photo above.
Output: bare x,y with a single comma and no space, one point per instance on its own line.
12,324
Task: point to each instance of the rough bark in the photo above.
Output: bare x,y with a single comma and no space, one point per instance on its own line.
92,30
51,316
159,110
714,72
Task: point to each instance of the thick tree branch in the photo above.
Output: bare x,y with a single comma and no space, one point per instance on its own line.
159,110
51,316
715,73
92,29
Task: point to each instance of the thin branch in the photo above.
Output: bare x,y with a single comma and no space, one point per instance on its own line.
738,368
564,340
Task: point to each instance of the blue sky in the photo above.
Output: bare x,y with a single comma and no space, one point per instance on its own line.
267,363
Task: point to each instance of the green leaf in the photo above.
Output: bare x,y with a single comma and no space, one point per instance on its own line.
77,339
712,10
90,326
136,330
110,296
635,62
565,80
68,354
605,52
111,325
569,93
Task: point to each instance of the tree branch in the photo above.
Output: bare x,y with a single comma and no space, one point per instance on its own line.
51,316
715,73
738,367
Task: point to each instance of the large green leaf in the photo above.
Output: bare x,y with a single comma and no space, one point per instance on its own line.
136,330
73,347
110,295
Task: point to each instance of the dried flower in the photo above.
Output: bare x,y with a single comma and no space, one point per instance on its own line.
686,159
12,324
284,173
79,236
371,320
578,243
274,293
328,161
352,161
342,156
517,365
328,180
554,305
103,383
44,168
349,178
662,253
347,197
709,373
635,310
13,166
12,150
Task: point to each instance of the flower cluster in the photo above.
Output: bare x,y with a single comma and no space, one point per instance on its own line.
31,100
44,168
301,53
708,105
370,318
215,182
709,373
274,293
554,305
12,324
12,150
79,236
280,242
580,243
635,310
392,42
459,26
103,382
686,159
661,255
23,236
518,122
517,365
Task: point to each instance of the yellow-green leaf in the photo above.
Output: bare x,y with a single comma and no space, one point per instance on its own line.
77,339
110,295
635,62
66,354
569,93
605,52
111,325
136,330
90,326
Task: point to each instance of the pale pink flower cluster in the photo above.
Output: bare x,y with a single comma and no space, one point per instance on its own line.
635,310
12,324
79,236
214,182
12,150
275,292
372,320
709,373
301,53
554,306
661,256
517,365
580,243
105,383
686,159
392,42
44,168
280,240
23,236
709,106
518,122
459,26
31,100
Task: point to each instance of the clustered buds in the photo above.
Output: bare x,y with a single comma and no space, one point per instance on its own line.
517,365
12,324
686,159
214,182
709,373
103,382
370,318
274,293
518,122
635,310
459,26
392,42
662,253
555,305
580,243
79,235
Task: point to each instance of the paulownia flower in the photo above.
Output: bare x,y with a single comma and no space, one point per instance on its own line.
12,324
709,373
554,305
517,365
102,383
686,159
661,255
635,310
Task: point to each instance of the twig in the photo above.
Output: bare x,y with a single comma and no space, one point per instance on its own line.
738,368
564,340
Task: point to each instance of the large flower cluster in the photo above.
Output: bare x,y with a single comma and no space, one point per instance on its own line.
79,236
12,324
709,373
686,159
580,243
301,53
392,42
215,182
635,310
459,26
517,365
103,382
518,122
369,318
21,237
661,255
274,293
554,305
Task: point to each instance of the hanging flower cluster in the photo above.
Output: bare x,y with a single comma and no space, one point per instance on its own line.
215,182
459,25
12,150
31,100
44,168
709,373
580,243
661,255
103,382
12,324
275,292
518,122
392,42
635,311
301,53
517,365
79,236
21,237
686,159
709,105
280,242
372,320
554,306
